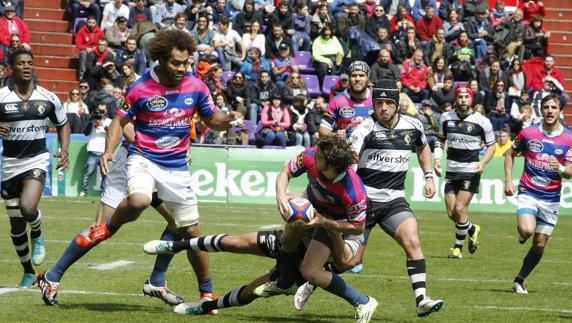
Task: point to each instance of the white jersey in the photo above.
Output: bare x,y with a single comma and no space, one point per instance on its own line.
464,137
25,145
384,155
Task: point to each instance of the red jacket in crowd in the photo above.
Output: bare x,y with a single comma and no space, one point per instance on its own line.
85,38
530,8
5,34
425,28
415,75
536,72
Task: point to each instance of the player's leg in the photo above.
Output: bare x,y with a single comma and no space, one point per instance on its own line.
526,213
19,236
289,258
32,188
462,222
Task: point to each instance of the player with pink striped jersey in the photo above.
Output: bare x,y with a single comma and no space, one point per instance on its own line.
547,149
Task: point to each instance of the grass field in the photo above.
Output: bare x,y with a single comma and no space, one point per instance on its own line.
475,289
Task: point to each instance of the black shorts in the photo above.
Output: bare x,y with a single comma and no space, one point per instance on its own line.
12,188
455,182
269,243
388,215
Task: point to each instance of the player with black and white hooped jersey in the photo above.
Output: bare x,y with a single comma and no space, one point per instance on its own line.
24,111
463,130
384,143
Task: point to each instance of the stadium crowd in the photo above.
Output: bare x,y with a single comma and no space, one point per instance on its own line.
280,62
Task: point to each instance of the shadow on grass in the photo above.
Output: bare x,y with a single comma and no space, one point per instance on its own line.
305,318
504,291
112,307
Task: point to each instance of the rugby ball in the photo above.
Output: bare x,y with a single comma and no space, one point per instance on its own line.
301,210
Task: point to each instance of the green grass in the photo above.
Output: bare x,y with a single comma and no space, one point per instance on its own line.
475,289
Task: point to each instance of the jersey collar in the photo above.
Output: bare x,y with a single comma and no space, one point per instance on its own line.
551,134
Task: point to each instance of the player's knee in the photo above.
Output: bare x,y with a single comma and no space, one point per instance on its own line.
309,274
538,246
192,231
525,231
28,212
138,202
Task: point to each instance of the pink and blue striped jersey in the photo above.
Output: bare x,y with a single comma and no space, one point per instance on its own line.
162,117
538,179
343,199
345,112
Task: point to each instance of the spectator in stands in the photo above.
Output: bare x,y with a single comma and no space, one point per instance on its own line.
385,40
3,75
220,10
96,130
480,32
277,37
525,119
437,72
96,57
376,21
254,65
407,46
117,34
427,26
10,25
139,13
319,19
489,76
225,42
166,13
472,7
254,38
438,47
498,14
130,52
298,130
262,92
144,32
384,69
516,113
275,119
194,10
341,85
314,118
283,65
111,11
447,5
84,91
549,87
538,75
213,79
404,99
531,8
503,143
283,17
179,23
445,94
16,4
463,60
86,39
352,18
246,17
238,92
327,54
419,9
84,9
496,106
430,120
453,26
536,37
293,87
100,95
301,25
128,73
400,23
509,37
516,79
478,97
414,77
108,71
76,111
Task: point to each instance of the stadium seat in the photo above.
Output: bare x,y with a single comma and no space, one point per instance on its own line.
305,62
250,128
312,84
227,76
329,82
78,23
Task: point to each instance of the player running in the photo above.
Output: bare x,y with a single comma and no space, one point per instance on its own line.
162,102
548,158
24,110
463,129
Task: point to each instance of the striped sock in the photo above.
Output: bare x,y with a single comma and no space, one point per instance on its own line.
36,226
416,271
471,229
460,234
206,243
231,299
20,241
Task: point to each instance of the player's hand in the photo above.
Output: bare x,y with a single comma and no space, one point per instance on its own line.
63,161
509,189
235,119
554,163
437,167
283,208
479,168
103,160
429,187
4,130
317,221
341,133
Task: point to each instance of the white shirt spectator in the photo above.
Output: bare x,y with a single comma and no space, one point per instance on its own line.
96,143
78,108
110,13
229,40
259,42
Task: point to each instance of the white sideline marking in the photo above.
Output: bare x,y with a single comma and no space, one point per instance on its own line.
502,308
111,265
272,227
7,290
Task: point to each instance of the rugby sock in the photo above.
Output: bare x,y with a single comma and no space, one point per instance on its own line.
36,226
206,243
529,263
416,271
471,229
288,269
460,234
20,239
162,261
72,254
205,285
340,288
229,300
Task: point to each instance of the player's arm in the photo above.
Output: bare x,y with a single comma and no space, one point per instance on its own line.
489,139
335,226
282,198
509,155
64,140
424,157
486,158
565,171
112,138
129,132
221,121
342,256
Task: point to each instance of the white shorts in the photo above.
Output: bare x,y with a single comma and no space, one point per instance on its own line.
174,187
545,213
116,181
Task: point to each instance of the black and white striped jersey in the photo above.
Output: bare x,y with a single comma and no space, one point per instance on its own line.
25,145
464,137
384,155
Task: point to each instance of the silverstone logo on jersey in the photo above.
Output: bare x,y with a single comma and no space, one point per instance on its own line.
189,101
167,142
347,112
11,108
28,129
388,159
157,103
535,146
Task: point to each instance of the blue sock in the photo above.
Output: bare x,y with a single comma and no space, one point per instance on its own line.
162,261
72,254
342,289
530,261
206,285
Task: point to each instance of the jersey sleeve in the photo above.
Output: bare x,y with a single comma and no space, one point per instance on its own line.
128,107
568,157
442,133
519,143
296,165
357,138
489,134
205,103
357,212
58,116
421,139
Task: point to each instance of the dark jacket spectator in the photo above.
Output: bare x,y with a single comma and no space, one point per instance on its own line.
130,52
379,19
245,18
447,5
420,7
471,7
277,37
384,69
138,14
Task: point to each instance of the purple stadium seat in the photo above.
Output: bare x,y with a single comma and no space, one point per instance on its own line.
312,84
251,130
305,62
329,82
227,76
78,23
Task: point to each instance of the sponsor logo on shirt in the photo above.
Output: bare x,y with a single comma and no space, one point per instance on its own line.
535,146
347,112
11,108
558,151
157,103
167,142
540,181
189,101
